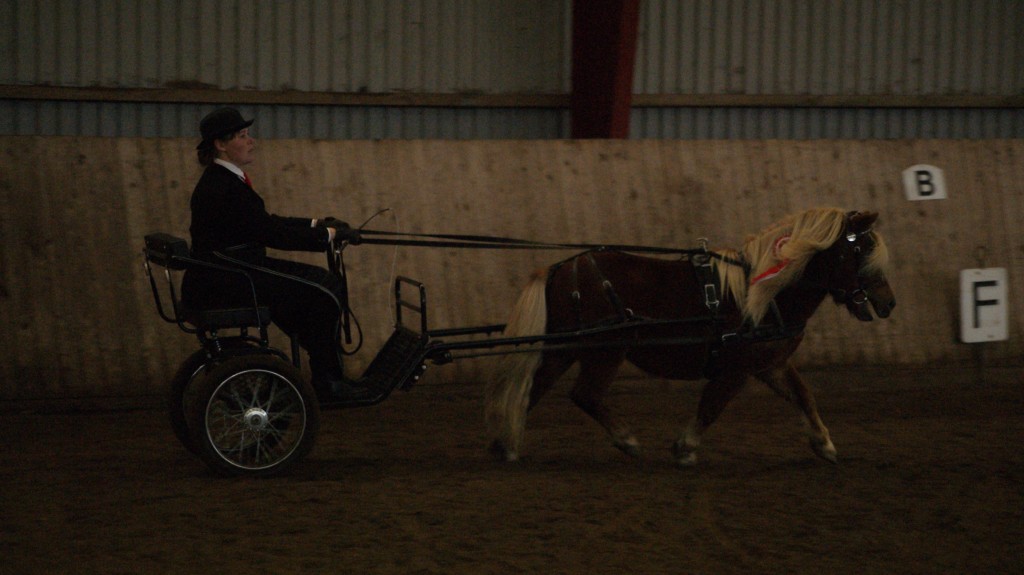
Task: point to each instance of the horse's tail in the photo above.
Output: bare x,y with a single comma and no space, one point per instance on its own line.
508,392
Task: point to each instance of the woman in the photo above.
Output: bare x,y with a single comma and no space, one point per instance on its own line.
231,227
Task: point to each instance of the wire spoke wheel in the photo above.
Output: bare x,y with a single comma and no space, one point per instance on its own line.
253,416
183,391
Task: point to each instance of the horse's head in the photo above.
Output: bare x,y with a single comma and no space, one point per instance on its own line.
859,260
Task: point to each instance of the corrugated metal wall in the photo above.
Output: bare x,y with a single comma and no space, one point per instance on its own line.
374,46
317,122
308,45
826,123
831,47
351,123
725,47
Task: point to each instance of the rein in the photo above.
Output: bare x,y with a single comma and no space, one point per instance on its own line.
505,243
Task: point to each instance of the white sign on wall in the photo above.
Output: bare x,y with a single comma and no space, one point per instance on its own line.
983,314
924,182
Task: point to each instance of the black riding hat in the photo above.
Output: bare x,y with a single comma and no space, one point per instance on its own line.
220,123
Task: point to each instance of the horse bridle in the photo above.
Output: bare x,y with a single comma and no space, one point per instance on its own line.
859,295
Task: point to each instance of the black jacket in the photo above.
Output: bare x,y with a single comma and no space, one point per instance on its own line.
229,217
227,213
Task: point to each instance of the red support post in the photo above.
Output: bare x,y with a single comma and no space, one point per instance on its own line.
604,34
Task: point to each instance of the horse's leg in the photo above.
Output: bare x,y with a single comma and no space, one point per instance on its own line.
788,383
551,368
717,393
597,371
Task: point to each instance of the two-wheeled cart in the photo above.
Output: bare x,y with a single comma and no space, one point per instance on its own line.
244,406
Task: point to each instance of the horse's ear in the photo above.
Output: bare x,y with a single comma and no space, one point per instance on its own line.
862,221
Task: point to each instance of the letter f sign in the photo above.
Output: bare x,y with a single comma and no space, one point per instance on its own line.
983,315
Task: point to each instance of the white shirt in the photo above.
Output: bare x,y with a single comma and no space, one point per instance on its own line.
231,167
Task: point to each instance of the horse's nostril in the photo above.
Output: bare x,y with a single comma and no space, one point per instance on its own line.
884,311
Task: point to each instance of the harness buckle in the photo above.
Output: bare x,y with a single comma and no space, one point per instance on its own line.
711,297
706,276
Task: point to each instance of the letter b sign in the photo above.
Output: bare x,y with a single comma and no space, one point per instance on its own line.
924,182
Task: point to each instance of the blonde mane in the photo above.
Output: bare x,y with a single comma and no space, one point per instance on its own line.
778,255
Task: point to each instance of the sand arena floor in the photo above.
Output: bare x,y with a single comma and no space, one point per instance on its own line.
930,480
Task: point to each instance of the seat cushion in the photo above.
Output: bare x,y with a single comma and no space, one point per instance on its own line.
212,319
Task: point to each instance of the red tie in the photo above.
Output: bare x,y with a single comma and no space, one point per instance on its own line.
248,181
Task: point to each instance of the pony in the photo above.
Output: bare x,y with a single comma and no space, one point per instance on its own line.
727,316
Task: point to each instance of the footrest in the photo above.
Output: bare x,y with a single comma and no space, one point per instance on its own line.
397,362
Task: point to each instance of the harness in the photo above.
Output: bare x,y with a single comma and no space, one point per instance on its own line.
704,269
624,313
707,277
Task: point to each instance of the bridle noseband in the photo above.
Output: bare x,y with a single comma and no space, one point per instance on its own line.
859,295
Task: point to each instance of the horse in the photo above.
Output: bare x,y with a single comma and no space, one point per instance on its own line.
728,316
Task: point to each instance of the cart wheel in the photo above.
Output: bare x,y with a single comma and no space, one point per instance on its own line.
181,387
252,415
190,369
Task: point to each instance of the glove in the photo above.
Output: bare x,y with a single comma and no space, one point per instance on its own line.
330,222
347,234
342,231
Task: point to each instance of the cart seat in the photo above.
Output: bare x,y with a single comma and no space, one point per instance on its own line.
172,253
214,319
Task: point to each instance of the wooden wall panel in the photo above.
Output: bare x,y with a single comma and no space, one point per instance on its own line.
79,321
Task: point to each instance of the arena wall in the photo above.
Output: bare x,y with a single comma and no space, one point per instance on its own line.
79,321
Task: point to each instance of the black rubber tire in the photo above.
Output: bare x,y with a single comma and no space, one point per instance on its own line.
189,370
252,415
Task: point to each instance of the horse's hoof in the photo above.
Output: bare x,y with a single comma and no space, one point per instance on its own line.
498,450
630,447
825,450
685,456
687,461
